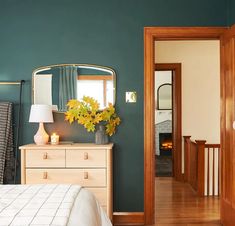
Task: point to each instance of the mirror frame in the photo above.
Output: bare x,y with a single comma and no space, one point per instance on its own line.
164,84
89,66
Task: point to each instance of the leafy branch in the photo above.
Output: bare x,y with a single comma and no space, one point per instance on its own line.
86,112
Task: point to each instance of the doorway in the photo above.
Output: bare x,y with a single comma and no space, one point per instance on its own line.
167,124
152,34
163,124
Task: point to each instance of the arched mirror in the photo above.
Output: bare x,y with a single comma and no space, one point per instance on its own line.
56,84
164,97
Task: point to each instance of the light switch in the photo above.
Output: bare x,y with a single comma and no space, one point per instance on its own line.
131,97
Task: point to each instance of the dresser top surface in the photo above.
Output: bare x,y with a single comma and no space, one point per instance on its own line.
68,146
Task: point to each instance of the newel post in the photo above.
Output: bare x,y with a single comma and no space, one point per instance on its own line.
186,158
201,167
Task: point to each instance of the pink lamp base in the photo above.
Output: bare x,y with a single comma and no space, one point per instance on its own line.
41,137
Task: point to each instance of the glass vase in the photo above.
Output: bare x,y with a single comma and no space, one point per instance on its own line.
100,136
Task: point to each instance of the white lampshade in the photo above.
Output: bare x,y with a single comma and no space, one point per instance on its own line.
41,113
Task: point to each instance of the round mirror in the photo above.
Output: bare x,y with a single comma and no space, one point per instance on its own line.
56,84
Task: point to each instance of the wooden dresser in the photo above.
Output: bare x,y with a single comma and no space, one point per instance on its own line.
88,165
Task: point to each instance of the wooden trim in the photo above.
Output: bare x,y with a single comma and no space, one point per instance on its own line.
149,152
176,116
186,158
201,170
128,218
227,213
150,35
185,33
227,132
191,163
212,145
213,171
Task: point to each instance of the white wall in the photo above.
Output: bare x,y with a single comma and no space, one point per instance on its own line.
200,85
162,77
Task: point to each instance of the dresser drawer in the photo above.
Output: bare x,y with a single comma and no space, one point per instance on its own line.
45,158
84,177
85,158
100,194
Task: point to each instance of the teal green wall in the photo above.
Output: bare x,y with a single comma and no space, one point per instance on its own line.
231,12
105,32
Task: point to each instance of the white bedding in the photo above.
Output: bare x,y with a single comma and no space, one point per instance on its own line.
44,205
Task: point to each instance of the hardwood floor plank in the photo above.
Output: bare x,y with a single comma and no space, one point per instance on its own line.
178,205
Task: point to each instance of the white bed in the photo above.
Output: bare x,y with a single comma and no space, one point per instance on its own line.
50,204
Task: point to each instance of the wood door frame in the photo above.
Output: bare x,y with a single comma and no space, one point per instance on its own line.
176,115
227,210
152,34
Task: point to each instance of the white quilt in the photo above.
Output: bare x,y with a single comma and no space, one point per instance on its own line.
54,205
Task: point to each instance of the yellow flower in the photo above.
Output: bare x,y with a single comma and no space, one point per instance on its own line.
86,112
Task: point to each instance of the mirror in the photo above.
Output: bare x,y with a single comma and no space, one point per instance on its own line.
164,97
56,84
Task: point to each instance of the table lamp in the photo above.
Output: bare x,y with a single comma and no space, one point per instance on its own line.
41,113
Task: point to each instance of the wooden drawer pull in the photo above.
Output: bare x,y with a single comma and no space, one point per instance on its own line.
45,155
45,175
85,155
85,175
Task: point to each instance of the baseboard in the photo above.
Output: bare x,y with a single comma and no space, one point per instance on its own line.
128,218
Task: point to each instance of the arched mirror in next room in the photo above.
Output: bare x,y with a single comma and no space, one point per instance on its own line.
164,97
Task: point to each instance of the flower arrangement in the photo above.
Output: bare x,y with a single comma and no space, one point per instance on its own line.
87,113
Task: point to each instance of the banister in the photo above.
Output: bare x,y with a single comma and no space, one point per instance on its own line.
199,167
201,170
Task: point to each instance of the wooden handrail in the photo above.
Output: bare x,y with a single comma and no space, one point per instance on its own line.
199,166
212,145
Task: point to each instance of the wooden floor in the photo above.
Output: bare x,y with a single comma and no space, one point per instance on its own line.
178,205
